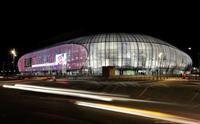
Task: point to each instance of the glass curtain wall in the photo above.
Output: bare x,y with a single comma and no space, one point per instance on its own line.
131,57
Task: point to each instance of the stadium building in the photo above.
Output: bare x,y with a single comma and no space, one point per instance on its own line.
124,54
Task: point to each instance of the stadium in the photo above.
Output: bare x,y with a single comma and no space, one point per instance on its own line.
121,53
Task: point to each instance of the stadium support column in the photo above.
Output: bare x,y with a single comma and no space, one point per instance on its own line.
49,68
160,56
63,69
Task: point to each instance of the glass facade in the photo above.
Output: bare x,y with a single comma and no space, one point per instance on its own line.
129,53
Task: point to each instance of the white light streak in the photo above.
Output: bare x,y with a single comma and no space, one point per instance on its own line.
116,97
69,90
81,95
109,97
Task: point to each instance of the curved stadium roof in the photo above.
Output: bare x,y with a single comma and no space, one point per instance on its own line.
114,37
111,37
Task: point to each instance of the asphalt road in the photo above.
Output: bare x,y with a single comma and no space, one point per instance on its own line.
176,97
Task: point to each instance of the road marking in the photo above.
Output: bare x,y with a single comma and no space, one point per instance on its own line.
140,112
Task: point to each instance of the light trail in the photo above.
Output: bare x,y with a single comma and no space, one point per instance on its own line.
80,95
140,112
69,90
133,111
116,97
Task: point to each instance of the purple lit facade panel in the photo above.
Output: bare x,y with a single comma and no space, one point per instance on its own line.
67,56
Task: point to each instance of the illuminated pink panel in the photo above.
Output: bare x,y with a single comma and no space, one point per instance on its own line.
45,60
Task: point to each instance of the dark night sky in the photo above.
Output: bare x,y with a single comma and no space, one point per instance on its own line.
29,28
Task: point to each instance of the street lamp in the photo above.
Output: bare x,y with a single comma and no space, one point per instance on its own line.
13,53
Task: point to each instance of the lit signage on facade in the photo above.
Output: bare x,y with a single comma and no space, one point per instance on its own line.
60,59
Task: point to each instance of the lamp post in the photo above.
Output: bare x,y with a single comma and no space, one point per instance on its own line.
13,53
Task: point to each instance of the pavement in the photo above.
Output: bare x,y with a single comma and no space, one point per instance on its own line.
147,102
